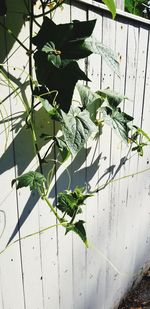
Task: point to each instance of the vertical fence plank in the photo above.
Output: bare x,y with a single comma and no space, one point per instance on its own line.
64,243
120,4
134,200
122,212
78,176
107,81
118,151
11,273
144,238
138,115
93,161
27,202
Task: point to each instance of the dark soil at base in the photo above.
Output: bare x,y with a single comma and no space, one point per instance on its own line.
138,298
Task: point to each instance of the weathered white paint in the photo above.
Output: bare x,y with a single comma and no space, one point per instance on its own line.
120,4
51,270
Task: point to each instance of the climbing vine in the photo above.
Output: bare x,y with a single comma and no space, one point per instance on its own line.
53,55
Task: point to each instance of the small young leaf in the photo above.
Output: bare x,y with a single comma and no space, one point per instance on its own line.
68,204
34,180
108,55
142,133
79,229
49,47
90,100
70,201
77,128
139,148
53,54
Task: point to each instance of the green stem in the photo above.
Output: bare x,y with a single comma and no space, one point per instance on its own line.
36,148
45,198
118,179
29,235
73,217
32,96
47,151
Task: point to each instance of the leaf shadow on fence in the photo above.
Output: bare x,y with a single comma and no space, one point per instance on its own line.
79,179
14,20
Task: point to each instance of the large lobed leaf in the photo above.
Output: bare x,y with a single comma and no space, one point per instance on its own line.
64,39
77,127
57,48
62,80
118,120
114,98
108,55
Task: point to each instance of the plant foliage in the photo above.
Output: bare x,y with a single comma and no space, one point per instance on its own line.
138,7
54,53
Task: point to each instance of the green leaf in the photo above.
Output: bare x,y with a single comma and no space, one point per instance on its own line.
64,41
90,100
129,6
79,195
63,34
111,6
142,133
75,50
113,97
62,80
63,149
49,31
139,149
136,7
82,29
69,202
34,180
108,55
79,229
77,128
53,54
57,47
49,47
118,121
51,110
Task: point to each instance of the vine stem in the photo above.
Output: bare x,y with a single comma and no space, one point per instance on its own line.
32,96
30,235
45,198
118,179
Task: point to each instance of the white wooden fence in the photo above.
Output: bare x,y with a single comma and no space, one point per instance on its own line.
48,270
